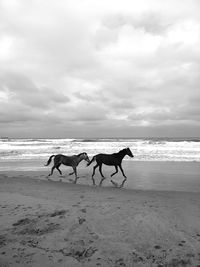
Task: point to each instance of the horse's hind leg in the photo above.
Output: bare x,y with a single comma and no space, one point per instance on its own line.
100,170
52,169
94,168
115,171
102,181
103,178
57,167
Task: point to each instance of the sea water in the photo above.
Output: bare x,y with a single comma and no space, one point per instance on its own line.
156,149
158,163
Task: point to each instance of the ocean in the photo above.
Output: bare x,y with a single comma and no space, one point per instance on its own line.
144,149
158,163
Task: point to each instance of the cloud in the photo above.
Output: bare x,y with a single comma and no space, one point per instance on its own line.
21,100
89,66
90,112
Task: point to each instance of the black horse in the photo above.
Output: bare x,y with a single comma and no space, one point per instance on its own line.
114,159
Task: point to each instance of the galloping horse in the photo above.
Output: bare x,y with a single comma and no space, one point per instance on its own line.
72,161
114,159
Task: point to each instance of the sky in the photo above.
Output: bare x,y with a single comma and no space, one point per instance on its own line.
90,68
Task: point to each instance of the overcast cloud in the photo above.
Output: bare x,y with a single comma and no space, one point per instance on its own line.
89,68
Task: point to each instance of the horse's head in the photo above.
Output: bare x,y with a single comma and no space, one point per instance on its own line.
129,153
85,157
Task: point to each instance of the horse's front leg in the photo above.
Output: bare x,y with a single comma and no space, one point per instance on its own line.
76,177
122,184
125,178
120,166
114,183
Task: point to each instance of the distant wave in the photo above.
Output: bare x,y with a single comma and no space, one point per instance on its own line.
173,139
106,140
157,140
9,153
144,149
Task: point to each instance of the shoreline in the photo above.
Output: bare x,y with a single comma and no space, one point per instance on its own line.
144,175
50,223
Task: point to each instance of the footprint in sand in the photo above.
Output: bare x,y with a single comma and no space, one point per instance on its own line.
2,240
58,213
157,247
81,220
83,210
4,176
75,205
120,262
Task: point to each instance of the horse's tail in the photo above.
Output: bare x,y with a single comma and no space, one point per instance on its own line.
93,159
49,160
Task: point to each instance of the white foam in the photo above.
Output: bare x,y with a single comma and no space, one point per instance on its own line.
143,150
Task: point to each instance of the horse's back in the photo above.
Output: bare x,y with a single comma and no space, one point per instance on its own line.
108,159
66,160
58,157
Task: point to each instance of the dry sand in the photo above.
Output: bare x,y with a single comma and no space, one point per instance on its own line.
52,223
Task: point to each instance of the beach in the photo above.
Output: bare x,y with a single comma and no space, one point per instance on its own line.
58,223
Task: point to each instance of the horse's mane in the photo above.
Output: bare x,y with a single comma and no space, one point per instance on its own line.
80,154
122,150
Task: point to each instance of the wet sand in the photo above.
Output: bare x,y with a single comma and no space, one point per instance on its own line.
54,223
142,175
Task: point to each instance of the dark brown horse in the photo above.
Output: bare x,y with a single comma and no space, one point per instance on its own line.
72,161
114,159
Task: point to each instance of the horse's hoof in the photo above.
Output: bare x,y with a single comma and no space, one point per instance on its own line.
114,183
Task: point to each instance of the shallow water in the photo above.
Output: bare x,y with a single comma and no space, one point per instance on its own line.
141,175
168,176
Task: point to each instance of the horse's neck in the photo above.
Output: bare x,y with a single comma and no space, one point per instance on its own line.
122,154
79,159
